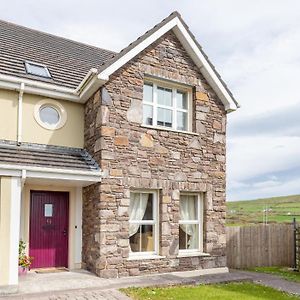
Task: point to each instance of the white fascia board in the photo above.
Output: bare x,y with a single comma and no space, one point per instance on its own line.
50,173
193,50
90,74
91,87
205,68
60,176
38,88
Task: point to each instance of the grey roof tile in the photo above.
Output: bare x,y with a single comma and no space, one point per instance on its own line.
68,61
46,156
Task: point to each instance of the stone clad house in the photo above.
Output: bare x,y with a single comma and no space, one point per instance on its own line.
112,162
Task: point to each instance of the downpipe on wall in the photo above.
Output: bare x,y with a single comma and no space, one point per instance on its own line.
20,114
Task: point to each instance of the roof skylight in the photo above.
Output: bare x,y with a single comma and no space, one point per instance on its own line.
37,69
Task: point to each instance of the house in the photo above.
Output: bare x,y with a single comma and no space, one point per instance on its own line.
112,162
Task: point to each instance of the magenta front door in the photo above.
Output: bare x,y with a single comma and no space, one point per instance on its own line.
48,236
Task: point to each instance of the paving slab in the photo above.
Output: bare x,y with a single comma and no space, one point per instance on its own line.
84,285
80,294
273,281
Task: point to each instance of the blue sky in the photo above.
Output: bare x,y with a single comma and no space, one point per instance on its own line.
255,45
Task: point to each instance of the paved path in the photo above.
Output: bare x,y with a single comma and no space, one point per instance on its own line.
273,281
107,289
74,295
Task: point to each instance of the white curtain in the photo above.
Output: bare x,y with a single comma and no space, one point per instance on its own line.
188,211
137,208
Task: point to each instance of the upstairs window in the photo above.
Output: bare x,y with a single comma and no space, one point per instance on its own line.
37,69
166,106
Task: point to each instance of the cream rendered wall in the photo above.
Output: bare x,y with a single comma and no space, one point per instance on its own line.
70,135
8,115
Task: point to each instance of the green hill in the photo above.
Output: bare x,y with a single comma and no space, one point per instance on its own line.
280,210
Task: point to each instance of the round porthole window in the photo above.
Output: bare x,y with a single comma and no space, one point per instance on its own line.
50,114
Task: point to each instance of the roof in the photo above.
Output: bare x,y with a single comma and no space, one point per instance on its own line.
179,27
45,156
86,68
68,61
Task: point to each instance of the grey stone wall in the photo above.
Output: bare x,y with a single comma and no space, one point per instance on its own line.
134,157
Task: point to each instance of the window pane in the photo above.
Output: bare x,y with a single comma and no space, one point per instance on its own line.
164,117
135,240
188,208
147,243
138,206
48,210
147,114
37,70
149,209
181,100
49,115
143,239
189,236
148,92
182,120
164,96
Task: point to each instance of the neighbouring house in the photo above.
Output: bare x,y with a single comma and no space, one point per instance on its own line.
112,162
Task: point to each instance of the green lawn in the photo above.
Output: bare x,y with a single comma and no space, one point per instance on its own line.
281,210
280,271
231,291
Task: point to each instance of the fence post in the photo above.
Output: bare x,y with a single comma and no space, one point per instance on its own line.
295,244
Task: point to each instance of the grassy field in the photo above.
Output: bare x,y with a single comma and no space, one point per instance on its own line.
231,291
280,210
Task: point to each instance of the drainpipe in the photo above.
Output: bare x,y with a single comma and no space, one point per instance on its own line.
23,177
20,114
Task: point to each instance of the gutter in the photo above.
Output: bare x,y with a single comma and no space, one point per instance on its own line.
20,113
31,172
91,73
86,88
50,170
38,88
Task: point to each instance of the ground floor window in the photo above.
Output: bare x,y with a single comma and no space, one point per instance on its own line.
191,223
143,227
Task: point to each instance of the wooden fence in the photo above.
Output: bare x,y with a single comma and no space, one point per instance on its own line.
260,245
297,247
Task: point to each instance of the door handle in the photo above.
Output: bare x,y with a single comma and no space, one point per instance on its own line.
65,232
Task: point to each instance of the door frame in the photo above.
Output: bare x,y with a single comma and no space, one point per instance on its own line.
75,219
67,199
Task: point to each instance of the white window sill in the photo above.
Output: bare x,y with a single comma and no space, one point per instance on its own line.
143,257
192,254
169,129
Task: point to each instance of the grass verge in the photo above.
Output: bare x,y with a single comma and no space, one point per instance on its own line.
231,291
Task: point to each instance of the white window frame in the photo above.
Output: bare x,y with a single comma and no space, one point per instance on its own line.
28,65
154,223
174,87
199,221
57,106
